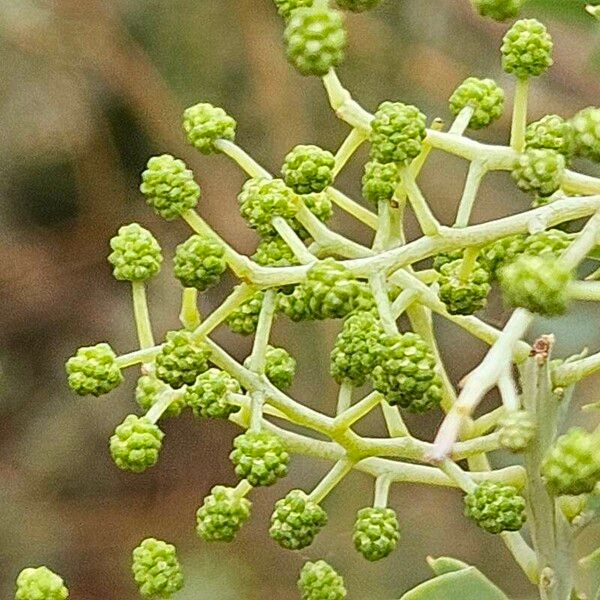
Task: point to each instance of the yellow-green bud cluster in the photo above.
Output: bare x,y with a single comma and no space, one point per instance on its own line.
40,583
539,170
136,444
259,457
495,508
204,124
376,532
308,169
463,294
244,319
586,127
136,255
199,262
517,430
181,359
319,581
551,132
93,370
484,96
380,181
222,515
148,392
499,10
527,49
156,569
208,395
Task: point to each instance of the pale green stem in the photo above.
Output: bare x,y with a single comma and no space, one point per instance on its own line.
349,146
403,301
382,491
457,474
165,399
477,170
357,411
242,158
242,488
428,223
522,553
290,237
257,401
352,208
189,315
382,235
263,331
331,480
519,117
142,317
508,391
487,422
137,356
417,164
427,275
393,420
468,263
344,397
462,120
583,244
382,301
569,373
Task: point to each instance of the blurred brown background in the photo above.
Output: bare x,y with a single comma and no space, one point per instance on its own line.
89,89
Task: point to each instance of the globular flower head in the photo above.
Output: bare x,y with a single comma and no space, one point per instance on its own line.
274,252
93,370
262,199
260,457
204,124
244,319
222,515
499,10
181,359
169,187
358,5
208,395
405,373
517,430
319,205
572,465
285,7
136,255
40,583
586,126
280,367
463,294
495,508
296,521
308,169
527,49
156,569
397,133
537,283
485,96
315,40
380,181
295,304
539,170
148,392
551,132
199,262
136,444
376,532
320,581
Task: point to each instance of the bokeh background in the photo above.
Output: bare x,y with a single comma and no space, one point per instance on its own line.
89,89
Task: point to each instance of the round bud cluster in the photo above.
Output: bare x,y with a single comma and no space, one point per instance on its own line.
285,7
550,242
499,10
222,515
356,349
204,124
405,373
586,127
199,262
260,457
319,205
397,133
181,359
308,169
551,132
485,96
149,390
136,255
572,465
280,367
376,532
517,430
169,187
537,283
319,581
296,521
244,319
539,170
358,5
93,370
156,569
527,49
208,395
274,252
262,199
295,304
136,444
446,257
40,583
495,508
380,181
463,295
315,40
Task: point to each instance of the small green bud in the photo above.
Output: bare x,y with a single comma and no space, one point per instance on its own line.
499,10
181,359
244,319
527,49
380,181
280,367
156,569
308,169
93,370
169,187
358,6
397,133
199,262
207,396
260,457
296,521
40,583
319,581
315,40
495,508
486,98
204,124
551,133
135,255
274,252
463,295
222,515
376,532
285,7
586,126
136,444
148,392
540,171
517,430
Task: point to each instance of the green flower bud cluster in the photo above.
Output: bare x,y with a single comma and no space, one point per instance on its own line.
280,367
319,581
380,181
319,205
204,124
169,187
308,169
517,430
447,257
285,7
274,252
181,359
244,319
40,583
208,395
463,295
495,508
260,457
136,444
199,262
486,98
405,373
572,465
376,532
295,303
539,170
156,569
93,370
397,133
222,515
149,390
499,10
135,255
527,49
586,126
296,521
551,133
315,40
358,5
